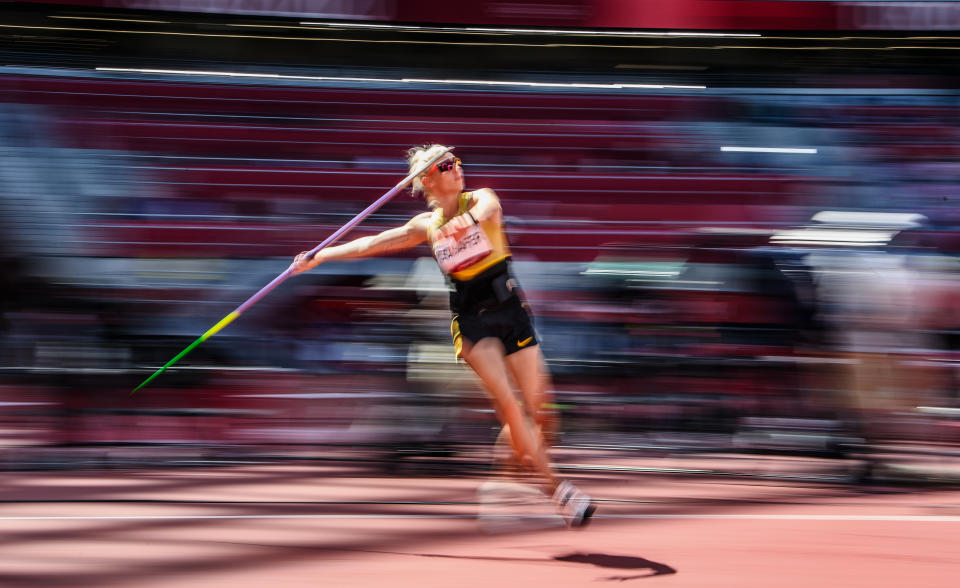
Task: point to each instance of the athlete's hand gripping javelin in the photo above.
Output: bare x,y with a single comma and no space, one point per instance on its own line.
306,261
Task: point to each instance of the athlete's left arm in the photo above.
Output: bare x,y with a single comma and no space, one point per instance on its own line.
485,206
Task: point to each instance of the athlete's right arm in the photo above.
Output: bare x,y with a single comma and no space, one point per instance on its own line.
413,233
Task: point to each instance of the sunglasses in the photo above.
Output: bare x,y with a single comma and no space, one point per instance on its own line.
447,164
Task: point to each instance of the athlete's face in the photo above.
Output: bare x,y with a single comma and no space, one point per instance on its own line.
445,177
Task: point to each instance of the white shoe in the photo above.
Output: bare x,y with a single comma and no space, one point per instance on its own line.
507,507
574,504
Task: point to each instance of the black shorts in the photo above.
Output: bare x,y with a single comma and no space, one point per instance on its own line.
508,322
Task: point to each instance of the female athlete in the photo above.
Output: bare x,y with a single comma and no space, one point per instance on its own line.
491,329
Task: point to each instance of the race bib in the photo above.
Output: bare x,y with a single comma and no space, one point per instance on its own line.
454,255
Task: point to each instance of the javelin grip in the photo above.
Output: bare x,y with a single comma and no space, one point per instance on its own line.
289,271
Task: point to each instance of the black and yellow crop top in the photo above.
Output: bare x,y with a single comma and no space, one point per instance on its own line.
498,248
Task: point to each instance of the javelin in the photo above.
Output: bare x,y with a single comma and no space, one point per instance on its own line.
289,271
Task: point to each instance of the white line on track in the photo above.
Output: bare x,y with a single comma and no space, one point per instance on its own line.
735,517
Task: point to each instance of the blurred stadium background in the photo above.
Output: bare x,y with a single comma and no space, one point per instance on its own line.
736,223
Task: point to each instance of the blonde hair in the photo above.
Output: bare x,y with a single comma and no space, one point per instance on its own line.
417,156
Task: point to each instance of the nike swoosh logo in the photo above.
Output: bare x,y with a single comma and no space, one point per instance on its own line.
524,342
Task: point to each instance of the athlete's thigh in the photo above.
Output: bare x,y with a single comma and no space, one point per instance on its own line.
486,358
529,371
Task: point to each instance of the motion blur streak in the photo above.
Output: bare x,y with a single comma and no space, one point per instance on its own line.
748,250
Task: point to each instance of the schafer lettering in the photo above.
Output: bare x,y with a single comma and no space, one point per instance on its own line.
456,254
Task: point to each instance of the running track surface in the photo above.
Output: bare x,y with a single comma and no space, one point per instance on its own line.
330,525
